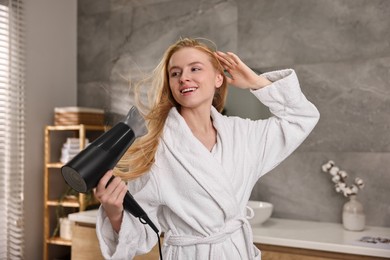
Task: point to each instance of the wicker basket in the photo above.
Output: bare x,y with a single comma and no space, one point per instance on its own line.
78,115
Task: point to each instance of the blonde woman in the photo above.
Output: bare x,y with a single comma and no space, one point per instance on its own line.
194,172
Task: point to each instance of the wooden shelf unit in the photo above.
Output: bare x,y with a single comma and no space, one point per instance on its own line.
53,167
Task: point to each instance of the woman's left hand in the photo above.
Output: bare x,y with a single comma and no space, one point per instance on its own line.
241,75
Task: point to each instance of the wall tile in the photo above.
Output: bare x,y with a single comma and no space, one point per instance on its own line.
293,32
300,190
93,58
353,98
340,50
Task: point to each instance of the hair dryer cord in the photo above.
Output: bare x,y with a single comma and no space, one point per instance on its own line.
143,221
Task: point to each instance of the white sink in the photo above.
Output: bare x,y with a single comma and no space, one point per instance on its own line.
262,211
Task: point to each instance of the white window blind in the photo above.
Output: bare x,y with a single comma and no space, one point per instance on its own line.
12,83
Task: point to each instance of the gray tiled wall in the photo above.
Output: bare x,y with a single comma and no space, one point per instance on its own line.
340,50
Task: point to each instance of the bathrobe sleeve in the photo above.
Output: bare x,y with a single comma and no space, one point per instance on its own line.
294,117
134,238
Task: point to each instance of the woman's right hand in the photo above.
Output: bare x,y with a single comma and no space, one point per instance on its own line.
241,75
111,197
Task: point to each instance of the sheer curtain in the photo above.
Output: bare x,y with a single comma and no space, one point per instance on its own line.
11,129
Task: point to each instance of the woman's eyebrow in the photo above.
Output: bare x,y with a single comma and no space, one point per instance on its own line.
190,64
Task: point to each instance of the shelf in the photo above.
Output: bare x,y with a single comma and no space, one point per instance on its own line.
51,161
54,165
75,127
59,241
64,203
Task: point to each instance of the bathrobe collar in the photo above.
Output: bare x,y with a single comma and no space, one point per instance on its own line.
199,162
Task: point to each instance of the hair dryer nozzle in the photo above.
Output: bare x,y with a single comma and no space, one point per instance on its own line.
136,122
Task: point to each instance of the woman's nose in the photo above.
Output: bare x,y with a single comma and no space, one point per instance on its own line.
183,77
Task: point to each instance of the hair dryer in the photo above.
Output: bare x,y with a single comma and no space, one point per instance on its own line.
85,170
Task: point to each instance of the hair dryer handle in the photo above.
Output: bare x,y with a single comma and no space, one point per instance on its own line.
130,205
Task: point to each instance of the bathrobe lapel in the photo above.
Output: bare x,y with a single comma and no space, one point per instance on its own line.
211,176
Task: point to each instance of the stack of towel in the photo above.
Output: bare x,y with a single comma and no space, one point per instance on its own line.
71,148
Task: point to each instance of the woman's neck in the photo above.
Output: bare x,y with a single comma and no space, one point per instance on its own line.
201,126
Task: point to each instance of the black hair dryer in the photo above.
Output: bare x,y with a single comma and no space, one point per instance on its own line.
85,170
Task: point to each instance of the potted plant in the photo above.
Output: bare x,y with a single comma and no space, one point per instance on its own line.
353,217
63,227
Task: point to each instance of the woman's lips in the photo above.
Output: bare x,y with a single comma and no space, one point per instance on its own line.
187,90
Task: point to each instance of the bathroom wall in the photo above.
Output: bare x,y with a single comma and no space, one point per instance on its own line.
340,50
51,81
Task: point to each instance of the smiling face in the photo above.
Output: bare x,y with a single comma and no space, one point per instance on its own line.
192,78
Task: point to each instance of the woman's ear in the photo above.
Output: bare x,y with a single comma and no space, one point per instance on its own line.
218,80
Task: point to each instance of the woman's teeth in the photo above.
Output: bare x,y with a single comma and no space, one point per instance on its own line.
186,90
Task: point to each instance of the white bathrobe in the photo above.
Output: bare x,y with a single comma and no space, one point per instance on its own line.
197,197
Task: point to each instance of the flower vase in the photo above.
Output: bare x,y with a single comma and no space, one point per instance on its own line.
354,218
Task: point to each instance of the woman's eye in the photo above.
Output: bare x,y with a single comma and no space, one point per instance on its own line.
175,73
195,69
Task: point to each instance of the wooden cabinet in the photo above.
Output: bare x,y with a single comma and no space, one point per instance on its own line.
272,252
86,245
54,184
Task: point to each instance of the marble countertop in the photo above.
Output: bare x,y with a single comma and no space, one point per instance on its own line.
323,236
304,234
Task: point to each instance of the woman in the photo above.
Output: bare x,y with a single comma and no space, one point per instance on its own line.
196,168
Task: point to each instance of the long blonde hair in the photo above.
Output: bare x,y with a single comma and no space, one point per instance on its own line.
140,156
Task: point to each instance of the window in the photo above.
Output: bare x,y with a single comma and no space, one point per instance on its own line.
12,129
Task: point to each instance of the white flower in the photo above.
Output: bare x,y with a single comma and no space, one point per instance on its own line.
334,170
336,178
354,189
359,182
339,177
347,192
343,174
327,166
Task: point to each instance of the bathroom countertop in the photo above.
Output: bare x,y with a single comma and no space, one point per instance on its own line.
324,236
311,235
87,217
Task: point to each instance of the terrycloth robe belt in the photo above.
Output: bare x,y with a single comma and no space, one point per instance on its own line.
214,240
